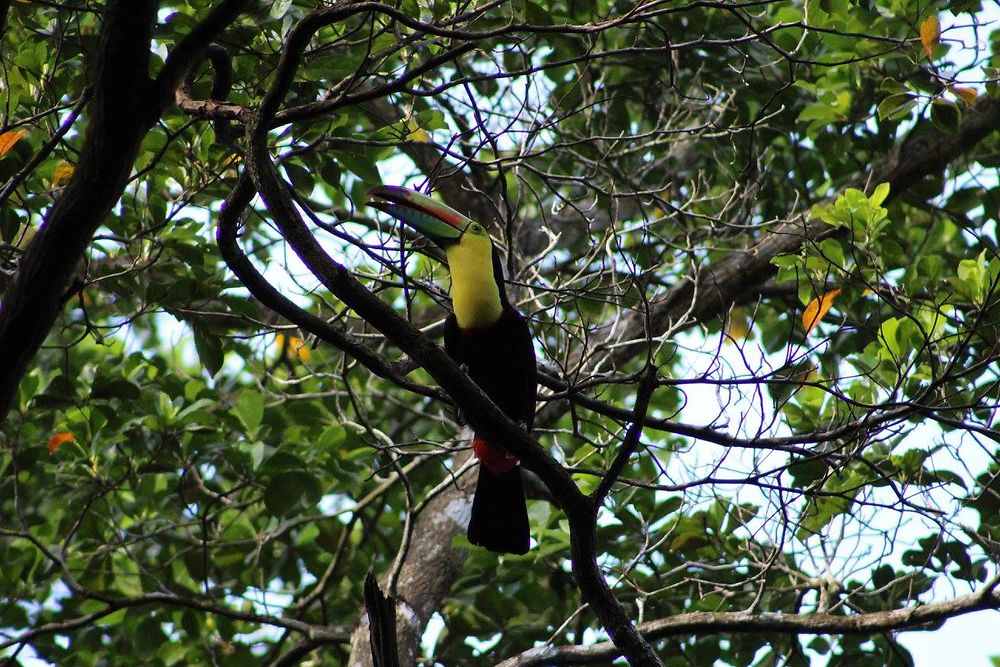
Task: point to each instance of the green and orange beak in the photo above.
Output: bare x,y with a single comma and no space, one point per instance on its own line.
441,224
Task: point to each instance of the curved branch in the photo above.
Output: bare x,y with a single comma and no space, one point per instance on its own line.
911,618
488,420
268,295
723,283
189,50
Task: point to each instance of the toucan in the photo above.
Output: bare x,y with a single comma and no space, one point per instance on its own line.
491,339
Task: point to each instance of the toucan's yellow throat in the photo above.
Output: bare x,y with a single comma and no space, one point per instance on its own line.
475,294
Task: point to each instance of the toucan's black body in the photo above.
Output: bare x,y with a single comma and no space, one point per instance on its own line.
501,360
492,340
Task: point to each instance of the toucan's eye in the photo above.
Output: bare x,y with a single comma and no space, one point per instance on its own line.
475,228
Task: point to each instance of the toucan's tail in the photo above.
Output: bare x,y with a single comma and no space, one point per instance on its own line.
499,514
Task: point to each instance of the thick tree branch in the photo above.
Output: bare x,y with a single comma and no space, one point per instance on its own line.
911,618
122,111
126,104
488,420
716,287
431,566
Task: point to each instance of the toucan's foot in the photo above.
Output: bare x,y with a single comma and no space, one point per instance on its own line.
464,367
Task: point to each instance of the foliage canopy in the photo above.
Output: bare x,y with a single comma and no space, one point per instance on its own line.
756,242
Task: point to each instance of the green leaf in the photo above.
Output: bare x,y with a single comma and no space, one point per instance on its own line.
288,490
362,163
332,437
279,8
831,250
879,195
946,115
282,494
115,388
887,336
249,409
896,107
114,618
209,348
819,512
689,541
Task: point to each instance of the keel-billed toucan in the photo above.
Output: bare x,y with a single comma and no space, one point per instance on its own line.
491,339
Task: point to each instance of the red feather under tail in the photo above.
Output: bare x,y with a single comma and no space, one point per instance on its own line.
494,459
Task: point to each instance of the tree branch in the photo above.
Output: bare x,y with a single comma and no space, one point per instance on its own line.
911,618
126,104
488,420
718,286
122,111
268,295
189,50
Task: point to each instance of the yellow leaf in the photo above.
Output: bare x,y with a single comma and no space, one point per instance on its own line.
8,139
57,440
737,326
817,308
967,95
868,291
810,374
62,173
930,33
416,133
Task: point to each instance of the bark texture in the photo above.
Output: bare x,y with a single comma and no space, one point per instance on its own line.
121,112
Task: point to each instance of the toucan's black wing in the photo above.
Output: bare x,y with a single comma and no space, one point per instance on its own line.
527,370
500,359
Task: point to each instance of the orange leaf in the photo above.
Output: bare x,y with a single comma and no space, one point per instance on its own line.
930,33
57,440
62,173
298,348
817,308
967,95
8,139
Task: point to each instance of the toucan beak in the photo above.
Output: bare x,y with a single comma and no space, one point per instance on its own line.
441,224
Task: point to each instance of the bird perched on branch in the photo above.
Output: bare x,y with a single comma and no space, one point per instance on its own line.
487,336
